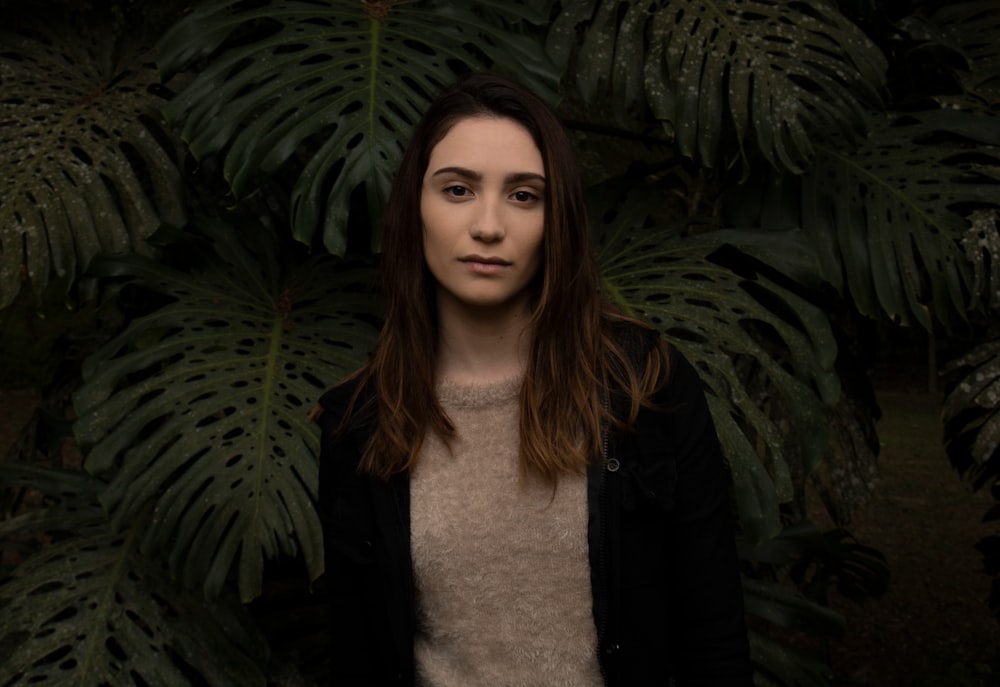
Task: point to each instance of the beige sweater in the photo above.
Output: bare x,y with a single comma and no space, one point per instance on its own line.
502,575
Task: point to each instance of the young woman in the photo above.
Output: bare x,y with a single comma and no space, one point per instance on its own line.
523,486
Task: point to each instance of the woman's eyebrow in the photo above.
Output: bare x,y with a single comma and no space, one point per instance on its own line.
521,177
514,178
459,171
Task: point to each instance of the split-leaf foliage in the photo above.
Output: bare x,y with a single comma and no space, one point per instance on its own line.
763,174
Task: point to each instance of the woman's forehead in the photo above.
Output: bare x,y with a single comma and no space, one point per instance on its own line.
487,142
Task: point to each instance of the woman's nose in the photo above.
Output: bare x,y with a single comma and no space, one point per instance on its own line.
488,223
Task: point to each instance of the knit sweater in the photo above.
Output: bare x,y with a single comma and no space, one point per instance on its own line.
500,564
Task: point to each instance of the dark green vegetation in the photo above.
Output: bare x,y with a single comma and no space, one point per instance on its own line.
932,628
191,198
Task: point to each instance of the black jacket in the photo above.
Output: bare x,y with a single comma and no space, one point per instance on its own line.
666,589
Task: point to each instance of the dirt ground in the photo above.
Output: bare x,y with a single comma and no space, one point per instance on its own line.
932,628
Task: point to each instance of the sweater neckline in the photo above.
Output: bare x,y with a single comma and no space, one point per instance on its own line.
479,394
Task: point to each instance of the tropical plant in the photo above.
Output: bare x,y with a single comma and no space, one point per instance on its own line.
88,168
707,312
971,411
349,77
770,75
199,409
92,609
765,173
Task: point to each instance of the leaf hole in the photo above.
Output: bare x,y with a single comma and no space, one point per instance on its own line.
64,614
115,649
53,656
46,588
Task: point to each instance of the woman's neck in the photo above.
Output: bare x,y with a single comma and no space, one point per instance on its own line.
483,345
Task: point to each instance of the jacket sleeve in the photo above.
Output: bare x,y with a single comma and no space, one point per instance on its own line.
711,641
353,654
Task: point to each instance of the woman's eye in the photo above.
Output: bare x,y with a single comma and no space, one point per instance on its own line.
457,191
524,196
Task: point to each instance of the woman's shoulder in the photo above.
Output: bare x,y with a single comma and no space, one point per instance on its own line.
638,341
635,340
339,396
350,396
630,333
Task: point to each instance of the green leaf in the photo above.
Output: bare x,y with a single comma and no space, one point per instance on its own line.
776,73
786,250
776,664
71,497
819,560
961,26
665,276
971,412
85,171
888,217
982,249
200,407
89,610
789,609
344,81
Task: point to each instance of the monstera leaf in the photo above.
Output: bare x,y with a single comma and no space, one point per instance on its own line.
774,72
85,169
780,664
960,27
887,218
200,408
708,312
982,249
971,413
71,503
88,609
816,561
343,78
971,416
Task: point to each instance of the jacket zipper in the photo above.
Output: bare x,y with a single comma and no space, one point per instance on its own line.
603,505
400,499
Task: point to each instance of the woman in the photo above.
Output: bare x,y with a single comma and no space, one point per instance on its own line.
523,486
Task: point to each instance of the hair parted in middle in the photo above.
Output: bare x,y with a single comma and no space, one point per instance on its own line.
574,357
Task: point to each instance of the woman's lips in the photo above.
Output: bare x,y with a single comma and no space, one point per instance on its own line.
478,264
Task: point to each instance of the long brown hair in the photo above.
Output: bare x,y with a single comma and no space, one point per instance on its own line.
575,357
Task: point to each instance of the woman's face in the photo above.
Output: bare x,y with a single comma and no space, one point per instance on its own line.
483,213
